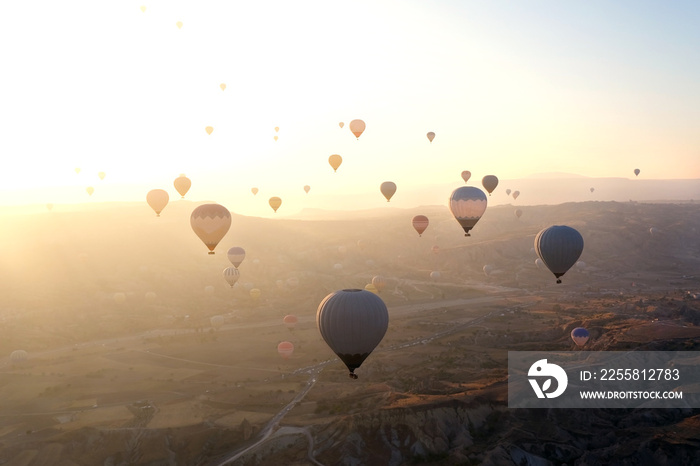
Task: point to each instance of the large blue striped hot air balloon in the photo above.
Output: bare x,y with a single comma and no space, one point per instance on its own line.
352,322
467,204
580,336
559,247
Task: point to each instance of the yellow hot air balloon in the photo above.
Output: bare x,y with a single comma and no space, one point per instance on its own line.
335,160
371,288
179,24
101,175
277,128
143,8
431,136
341,124
210,222
275,203
182,185
157,199
275,138
90,190
254,191
255,293
222,86
209,129
357,127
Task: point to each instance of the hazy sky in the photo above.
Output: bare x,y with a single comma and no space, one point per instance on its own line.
595,88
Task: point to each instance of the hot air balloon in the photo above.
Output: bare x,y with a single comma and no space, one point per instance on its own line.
436,249
236,255
580,336
581,265
488,268
307,188
143,8
275,203
371,288
388,188
210,222
217,321
420,223
516,194
157,199
352,322
435,275
290,321
231,275
179,24
653,231
489,182
357,127
209,129
379,283
182,185
102,175
49,207
592,189
636,172
466,174
89,190
540,265
275,138
559,247
335,160
467,204
341,124
77,170
18,356
222,86
285,349
508,192
277,128
254,191
518,213
255,293
430,136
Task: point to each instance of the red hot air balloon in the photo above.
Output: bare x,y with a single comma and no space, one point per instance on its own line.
420,223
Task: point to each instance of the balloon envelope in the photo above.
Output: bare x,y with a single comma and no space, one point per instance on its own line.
210,222
182,185
489,182
466,174
290,321
435,275
307,188
102,175
209,129
90,190
516,194
379,282
157,199
518,213
275,203
559,247
254,191
508,191
357,127
18,356
636,172
222,86
285,349
420,223
236,255
580,336
335,160
231,275
467,204
352,322
430,136
341,124
388,188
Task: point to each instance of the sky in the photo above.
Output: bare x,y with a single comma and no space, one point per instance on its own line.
591,88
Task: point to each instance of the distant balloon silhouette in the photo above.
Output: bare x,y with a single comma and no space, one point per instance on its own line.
277,128
285,349
388,188
335,160
157,199
341,124
275,203
580,336
592,189
357,127
371,288
559,247
489,182
143,8
18,356
49,207
179,24
352,322
231,275
236,255
210,222
488,268
76,170
466,174
420,223
222,86
468,204
254,191
636,172
307,188
516,194
275,138
209,129
90,190
435,275
290,321
379,283
508,191
101,175
518,213
430,136
182,185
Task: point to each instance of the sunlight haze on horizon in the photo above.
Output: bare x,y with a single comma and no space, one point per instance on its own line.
594,89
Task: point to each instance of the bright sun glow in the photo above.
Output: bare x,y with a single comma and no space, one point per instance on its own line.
508,90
